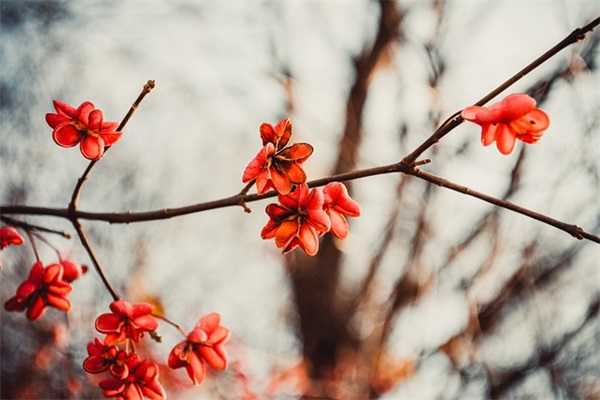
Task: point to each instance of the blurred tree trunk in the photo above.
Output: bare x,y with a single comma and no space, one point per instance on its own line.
323,314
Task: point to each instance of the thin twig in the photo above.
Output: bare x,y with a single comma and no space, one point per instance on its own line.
238,199
88,247
31,227
573,230
77,190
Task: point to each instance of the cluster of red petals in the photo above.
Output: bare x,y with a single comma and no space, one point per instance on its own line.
515,117
127,321
140,380
102,357
83,125
45,287
203,345
276,166
8,236
303,215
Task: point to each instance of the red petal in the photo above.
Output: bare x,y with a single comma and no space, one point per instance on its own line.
55,119
177,356
92,147
489,133
107,323
506,139
195,369
111,138
9,235
267,134
216,360
220,335
470,113
281,181
36,273
257,164
283,130
36,309
298,152
83,112
209,323
309,240
53,273
95,120
141,309
285,232
65,109
60,302
109,126
66,135
95,365
269,230
147,323
339,225
294,171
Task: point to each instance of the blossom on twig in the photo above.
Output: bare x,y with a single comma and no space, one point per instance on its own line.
84,125
44,287
276,166
298,220
515,117
203,345
127,321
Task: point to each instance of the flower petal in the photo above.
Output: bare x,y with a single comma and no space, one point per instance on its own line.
285,232
95,120
339,225
216,360
281,181
257,164
505,139
55,119
283,130
489,133
297,152
309,239
92,147
66,135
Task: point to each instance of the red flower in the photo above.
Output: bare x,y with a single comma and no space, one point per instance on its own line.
298,220
102,357
8,236
513,118
142,380
44,287
127,321
203,345
276,166
83,125
338,203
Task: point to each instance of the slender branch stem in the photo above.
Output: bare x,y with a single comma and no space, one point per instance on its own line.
240,199
173,324
456,119
573,230
88,247
31,227
77,190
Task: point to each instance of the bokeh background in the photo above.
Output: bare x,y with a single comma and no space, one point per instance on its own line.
434,295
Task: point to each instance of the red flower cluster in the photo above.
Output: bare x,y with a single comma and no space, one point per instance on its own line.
276,166
131,377
83,125
515,117
203,345
45,287
8,236
304,215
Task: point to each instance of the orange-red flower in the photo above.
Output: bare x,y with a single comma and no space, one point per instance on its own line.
204,345
298,220
127,321
142,380
72,271
102,357
515,117
84,125
44,287
276,166
337,204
